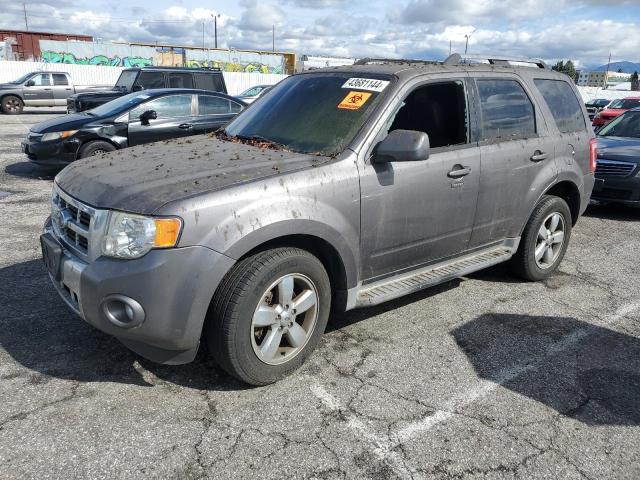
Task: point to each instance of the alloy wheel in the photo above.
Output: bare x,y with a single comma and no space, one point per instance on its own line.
550,240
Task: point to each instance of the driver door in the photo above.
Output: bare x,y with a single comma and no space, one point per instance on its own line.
415,213
41,92
175,118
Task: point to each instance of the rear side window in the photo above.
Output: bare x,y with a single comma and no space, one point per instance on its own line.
209,105
564,105
60,79
206,81
506,110
180,80
148,80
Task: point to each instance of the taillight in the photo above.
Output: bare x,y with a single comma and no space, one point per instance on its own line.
593,154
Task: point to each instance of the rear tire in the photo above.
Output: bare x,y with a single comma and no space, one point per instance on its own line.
544,241
97,147
269,314
12,105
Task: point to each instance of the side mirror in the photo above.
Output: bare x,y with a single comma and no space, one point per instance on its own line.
148,115
29,83
137,88
402,146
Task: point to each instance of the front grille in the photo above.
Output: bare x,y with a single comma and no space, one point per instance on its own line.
71,221
614,168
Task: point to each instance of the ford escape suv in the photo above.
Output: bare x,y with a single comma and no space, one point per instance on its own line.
343,187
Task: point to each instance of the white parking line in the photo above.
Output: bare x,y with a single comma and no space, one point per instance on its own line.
383,448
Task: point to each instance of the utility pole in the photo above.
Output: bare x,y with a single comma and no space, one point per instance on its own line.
26,23
203,35
215,30
466,47
273,38
606,75
449,47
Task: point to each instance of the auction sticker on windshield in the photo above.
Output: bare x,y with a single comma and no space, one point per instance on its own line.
370,84
354,100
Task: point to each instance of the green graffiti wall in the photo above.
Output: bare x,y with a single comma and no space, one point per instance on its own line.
252,67
115,61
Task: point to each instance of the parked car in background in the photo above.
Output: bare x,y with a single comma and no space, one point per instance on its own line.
346,187
618,165
146,78
40,89
615,109
253,93
595,105
134,119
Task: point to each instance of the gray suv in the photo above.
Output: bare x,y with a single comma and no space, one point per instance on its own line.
341,188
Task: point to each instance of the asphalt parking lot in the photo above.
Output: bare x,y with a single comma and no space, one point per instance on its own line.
485,377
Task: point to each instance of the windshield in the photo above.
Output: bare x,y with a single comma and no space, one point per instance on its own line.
252,92
625,104
126,79
22,79
312,113
626,125
119,105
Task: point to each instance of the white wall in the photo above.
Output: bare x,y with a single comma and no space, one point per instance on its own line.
97,75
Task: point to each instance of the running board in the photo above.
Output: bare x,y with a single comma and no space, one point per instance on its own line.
389,289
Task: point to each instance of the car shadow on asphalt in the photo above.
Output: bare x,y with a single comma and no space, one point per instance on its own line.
582,371
613,212
32,171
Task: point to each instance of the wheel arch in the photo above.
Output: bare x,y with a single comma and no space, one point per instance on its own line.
87,141
570,193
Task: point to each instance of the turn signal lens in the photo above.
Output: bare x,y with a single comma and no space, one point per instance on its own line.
167,232
593,155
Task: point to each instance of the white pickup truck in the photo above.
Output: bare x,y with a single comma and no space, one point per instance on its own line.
40,89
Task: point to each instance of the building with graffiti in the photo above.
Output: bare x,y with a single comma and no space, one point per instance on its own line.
140,55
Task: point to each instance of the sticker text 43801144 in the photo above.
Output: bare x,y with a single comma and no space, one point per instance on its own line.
370,84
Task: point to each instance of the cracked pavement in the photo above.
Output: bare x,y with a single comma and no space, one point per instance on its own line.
483,377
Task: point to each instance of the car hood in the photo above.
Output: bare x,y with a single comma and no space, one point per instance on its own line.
618,148
142,179
612,112
67,122
100,93
6,86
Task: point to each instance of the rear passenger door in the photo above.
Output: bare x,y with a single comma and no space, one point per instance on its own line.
213,113
517,157
61,88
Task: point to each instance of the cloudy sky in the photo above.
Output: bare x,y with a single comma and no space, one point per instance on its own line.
583,30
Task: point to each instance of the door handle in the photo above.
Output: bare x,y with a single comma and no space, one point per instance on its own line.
538,156
185,126
47,89
459,171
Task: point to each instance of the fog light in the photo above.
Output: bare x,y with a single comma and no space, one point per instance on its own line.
122,311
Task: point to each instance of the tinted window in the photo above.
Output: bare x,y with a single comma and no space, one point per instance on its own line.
626,125
180,80
626,104
209,105
42,80
235,107
252,92
507,113
60,79
208,82
126,79
166,107
564,105
148,80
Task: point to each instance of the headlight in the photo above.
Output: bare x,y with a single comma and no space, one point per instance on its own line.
57,135
132,236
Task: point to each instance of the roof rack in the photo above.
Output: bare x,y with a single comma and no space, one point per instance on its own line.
457,59
397,61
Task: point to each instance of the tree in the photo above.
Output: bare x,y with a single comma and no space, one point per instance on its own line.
567,68
635,82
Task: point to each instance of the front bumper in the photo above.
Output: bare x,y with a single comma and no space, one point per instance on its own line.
617,190
174,286
55,153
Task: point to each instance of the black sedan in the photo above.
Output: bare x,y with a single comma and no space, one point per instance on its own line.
137,118
618,164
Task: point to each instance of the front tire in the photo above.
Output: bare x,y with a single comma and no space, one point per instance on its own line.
544,241
12,105
97,147
268,314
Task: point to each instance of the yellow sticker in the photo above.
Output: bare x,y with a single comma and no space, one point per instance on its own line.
354,100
